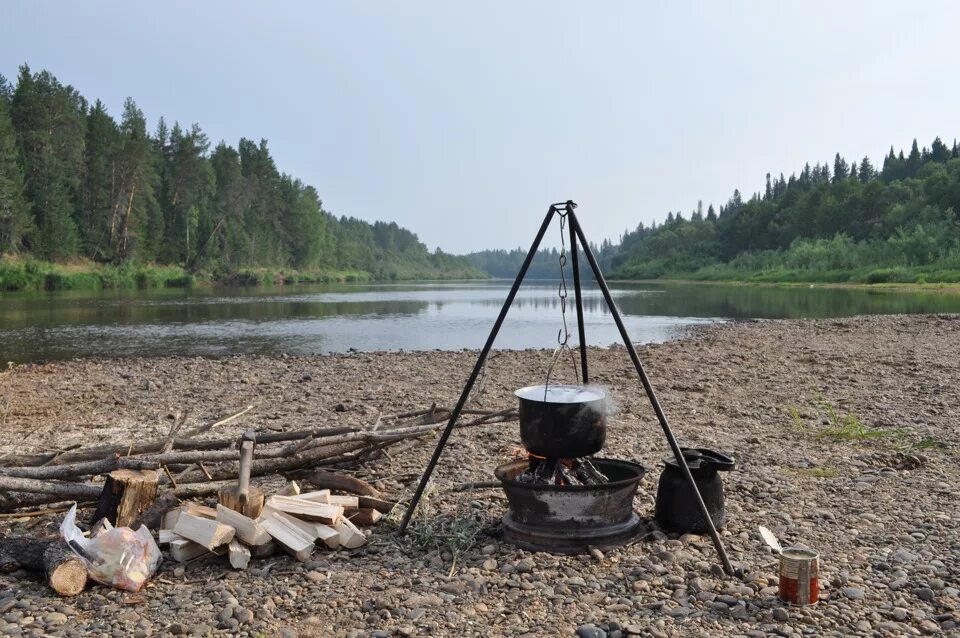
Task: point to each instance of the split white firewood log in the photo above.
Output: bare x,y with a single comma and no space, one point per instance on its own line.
208,533
290,538
350,536
248,530
290,489
239,555
184,550
307,509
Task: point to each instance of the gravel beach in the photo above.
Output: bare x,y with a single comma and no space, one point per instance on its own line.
846,433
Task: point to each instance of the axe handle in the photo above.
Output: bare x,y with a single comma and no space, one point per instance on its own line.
246,458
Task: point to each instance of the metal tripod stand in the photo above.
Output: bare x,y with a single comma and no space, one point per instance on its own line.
576,234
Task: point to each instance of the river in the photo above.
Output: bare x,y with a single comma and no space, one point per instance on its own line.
309,319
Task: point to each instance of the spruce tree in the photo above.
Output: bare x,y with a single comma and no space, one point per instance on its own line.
840,169
914,161
867,172
939,151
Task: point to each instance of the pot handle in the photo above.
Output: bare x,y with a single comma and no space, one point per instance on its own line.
719,462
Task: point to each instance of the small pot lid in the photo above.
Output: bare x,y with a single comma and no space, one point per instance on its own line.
702,458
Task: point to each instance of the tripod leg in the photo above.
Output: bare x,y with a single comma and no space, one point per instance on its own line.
578,295
476,371
727,567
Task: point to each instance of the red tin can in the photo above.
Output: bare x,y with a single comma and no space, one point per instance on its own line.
799,576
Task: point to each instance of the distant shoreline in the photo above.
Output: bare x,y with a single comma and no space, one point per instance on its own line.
940,288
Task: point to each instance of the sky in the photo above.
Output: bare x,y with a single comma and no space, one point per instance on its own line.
464,121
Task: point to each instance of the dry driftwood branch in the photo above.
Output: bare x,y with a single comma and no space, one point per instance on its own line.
87,468
322,479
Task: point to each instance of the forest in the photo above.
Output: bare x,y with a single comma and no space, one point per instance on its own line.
839,222
89,201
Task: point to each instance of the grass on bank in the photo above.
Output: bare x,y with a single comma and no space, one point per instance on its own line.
30,275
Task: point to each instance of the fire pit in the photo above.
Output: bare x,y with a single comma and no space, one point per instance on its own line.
571,518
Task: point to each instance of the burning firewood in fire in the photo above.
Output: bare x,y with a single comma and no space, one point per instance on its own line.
553,471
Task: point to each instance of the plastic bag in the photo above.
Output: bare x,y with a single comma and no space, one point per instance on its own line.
119,557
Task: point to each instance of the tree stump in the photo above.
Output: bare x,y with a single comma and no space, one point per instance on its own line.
66,572
126,495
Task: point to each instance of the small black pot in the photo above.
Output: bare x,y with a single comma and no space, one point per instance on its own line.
676,509
566,429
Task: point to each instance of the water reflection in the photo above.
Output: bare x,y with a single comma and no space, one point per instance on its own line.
411,316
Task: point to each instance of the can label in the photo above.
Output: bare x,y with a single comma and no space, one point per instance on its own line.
799,576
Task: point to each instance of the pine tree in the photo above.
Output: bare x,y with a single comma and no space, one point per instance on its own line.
711,214
768,190
102,141
15,221
867,172
854,174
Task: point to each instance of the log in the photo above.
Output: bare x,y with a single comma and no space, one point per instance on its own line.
153,515
384,507
322,479
309,510
89,468
126,495
239,555
365,516
248,530
343,501
184,550
166,536
290,489
203,531
350,536
65,572
291,539
62,491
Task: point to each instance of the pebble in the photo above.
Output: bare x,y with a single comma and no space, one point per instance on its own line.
853,593
780,614
590,631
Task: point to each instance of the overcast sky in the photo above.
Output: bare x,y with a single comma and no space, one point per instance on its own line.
464,121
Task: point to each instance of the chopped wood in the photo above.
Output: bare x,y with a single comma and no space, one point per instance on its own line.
364,516
288,537
248,530
184,550
290,489
199,509
307,509
203,531
384,507
126,495
319,496
331,480
239,555
329,535
350,536
343,501
169,520
167,536
306,529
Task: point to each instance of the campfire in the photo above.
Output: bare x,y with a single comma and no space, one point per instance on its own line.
554,471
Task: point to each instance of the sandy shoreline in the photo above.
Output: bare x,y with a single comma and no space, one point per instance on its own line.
845,431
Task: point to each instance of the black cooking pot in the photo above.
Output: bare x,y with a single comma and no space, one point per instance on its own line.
562,421
676,508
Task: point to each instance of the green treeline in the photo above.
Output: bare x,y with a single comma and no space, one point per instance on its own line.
77,185
848,222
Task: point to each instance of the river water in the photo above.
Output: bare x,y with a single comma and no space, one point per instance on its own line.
308,319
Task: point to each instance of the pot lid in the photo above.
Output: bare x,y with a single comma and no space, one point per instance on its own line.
702,458
561,393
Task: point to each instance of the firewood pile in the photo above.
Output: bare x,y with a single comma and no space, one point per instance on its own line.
160,483
292,521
